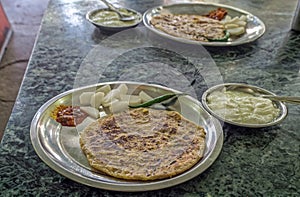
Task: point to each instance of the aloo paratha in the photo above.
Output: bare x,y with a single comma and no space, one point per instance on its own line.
143,144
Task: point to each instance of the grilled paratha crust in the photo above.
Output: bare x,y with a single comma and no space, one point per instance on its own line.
192,27
143,144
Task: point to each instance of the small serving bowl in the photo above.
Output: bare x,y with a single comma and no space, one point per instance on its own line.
90,16
235,86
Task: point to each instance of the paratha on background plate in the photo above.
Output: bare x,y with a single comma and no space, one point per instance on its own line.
143,144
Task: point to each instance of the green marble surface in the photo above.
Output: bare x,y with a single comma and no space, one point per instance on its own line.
253,162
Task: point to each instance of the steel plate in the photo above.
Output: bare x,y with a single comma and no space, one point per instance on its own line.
255,27
59,148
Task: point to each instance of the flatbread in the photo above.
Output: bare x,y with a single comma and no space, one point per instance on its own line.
143,144
192,27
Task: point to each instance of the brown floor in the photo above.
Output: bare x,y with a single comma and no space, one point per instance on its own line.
25,17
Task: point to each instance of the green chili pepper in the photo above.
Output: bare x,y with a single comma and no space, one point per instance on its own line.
224,39
156,100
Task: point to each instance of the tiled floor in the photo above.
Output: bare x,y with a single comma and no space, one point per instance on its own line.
25,17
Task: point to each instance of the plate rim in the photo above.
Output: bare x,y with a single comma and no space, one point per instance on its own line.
124,187
146,22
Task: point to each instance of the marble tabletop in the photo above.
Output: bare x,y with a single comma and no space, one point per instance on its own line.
253,162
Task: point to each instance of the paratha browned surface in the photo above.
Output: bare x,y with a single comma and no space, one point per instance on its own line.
192,27
143,144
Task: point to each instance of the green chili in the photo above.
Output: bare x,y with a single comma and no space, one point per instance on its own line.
223,39
156,100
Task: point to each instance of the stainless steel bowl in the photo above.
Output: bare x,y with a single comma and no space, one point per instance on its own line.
105,28
280,105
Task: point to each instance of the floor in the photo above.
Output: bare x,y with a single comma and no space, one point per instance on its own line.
25,17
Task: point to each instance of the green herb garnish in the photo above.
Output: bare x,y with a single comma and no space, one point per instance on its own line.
223,39
157,100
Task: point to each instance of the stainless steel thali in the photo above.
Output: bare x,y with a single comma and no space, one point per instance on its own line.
255,27
59,148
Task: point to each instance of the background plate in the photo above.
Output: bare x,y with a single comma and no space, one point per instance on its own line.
255,27
59,146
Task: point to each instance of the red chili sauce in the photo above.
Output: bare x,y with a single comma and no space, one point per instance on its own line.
68,115
217,14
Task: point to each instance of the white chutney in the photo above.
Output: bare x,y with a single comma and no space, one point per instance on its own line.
242,107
